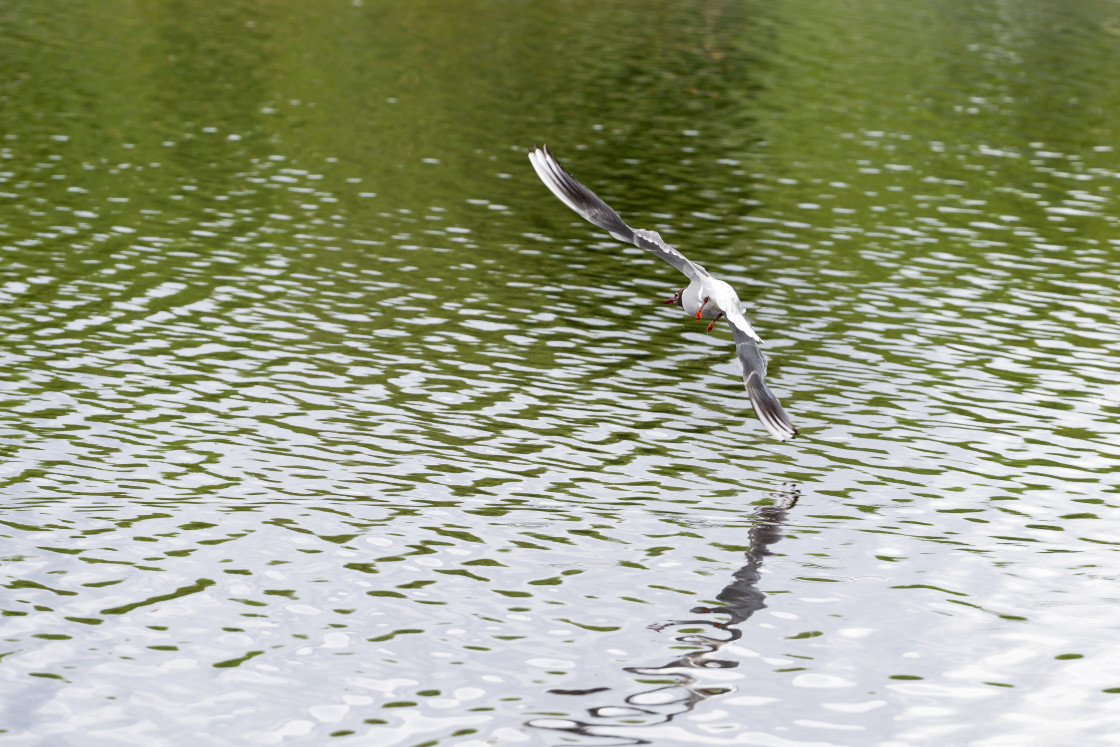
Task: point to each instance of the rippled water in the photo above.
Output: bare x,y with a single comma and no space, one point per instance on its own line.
324,422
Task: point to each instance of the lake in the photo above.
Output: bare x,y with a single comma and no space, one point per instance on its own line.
323,422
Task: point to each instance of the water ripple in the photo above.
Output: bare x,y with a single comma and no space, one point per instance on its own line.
322,421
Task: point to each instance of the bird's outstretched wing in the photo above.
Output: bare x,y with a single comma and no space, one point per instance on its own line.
724,297
766,405
585,202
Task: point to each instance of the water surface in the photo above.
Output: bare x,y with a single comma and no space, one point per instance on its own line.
324,422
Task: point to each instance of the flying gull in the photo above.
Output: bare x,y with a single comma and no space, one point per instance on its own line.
705,297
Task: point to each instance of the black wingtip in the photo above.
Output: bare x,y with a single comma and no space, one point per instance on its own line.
766,406
770,412
577,196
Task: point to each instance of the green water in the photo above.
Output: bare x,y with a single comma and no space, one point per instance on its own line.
323,421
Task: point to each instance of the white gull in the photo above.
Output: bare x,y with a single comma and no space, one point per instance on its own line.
705,297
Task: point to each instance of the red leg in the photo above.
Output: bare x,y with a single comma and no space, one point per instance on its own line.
713,322
701,309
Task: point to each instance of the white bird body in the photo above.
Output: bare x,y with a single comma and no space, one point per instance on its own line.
714,298
705,297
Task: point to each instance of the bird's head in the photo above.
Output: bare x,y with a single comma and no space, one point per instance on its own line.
676,298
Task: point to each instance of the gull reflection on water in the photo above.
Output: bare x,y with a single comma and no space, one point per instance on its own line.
740,600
